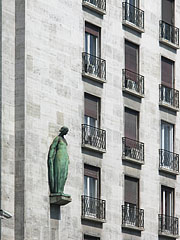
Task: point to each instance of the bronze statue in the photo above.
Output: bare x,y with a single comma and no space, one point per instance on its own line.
58,162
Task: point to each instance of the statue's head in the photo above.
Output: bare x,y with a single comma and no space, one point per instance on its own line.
63,131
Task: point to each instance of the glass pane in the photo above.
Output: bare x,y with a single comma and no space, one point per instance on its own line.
93,45
93,187
85,185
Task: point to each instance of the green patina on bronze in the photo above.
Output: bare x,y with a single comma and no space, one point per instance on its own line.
58,162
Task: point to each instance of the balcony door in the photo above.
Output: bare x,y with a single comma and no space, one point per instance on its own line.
92,110
92,38
91,189
131,124
167,138
168,11
167,201
167,72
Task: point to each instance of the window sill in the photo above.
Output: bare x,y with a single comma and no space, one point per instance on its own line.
167,234
166,170
132,26
87,146
131,227
168,43
93,77
134,93
166,105
94,8
126,158
93,219
60,199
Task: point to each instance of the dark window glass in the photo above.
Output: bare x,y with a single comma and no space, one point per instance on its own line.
131,57
168,11
131,191
167,201
131,124
167,72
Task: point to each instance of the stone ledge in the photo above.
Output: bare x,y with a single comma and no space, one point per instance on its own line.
166,234
93,219
92,77
166,105
161,169
131,227
125,158
92,7
87,146
168,43
60,199
132,26
133,92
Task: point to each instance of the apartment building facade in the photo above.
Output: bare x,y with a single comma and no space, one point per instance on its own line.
108,70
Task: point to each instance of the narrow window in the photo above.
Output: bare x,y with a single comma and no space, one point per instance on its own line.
91,181
131,57
131,124
92,110
131,192
167,201
87,237
92,39
167,138
167,72
168,11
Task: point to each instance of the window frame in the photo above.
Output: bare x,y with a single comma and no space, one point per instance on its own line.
167,190
171,134
137,121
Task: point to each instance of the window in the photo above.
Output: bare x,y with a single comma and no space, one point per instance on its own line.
131,124
91,181
168,11
87,237
92,39
131,57
92,110
167,136
133,2
131,191
167,201
167,72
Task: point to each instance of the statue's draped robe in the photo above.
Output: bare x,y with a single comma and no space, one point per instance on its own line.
58,161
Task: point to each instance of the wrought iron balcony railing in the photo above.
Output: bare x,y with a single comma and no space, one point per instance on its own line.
94,137
169,96
93,66
168,225
133,15
93,208
133,81
133,149
169,33
168,160
133,216
100,4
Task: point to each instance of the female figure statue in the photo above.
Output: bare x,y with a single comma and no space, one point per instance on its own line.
58,162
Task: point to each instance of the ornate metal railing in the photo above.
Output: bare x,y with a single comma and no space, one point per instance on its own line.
93,66
133,81
131,215
133,15
94,137
168,160
133,149
93,207
168,224
169,32
101,4
169,96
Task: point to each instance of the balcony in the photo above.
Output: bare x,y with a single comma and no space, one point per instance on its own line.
93,67
169,97
168,226
133,17
98,6
132,217
168,161
93,209
132,150
93,138
168,34
133,83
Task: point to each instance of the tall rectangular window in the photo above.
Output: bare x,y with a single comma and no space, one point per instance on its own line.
91,181
131,57
92,40
92,110
167,72
167,201
167,136
131,124
168,11
131,192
